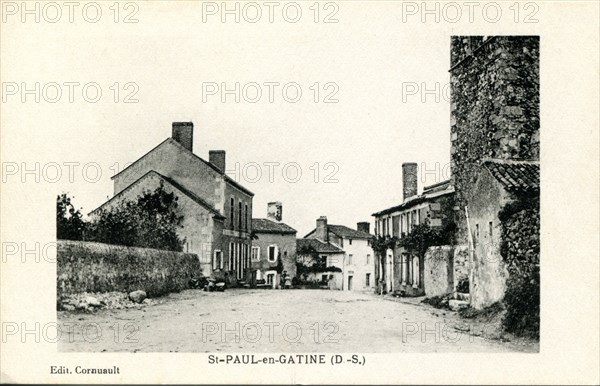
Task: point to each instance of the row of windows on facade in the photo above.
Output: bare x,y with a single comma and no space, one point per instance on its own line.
385,226
326,277
272,253
243,218
409,268
238,259
334,259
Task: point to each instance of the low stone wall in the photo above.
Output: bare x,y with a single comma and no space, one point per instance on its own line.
445,267
438,275
96,267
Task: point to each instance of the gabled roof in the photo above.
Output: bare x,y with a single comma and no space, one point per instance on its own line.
264,225
316,245
183,190
429,192
182,148
345,232
515,176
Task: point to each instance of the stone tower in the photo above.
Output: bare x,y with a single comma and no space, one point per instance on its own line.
494,106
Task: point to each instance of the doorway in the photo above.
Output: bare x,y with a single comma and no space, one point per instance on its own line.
350,283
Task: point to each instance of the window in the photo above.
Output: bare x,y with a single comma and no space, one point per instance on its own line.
255,253
240,217
246,218
349,259
270,278
231,214
350,241
323,278
491,229
368,259
477,230
231,266
217,260
368,280
401,224
272,253
324,260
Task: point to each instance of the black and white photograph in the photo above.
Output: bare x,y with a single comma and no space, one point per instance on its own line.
386,192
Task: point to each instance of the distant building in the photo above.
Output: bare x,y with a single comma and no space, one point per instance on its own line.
356,261
404,271
316,253
273,241
217,211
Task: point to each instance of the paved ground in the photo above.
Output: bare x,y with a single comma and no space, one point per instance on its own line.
278,321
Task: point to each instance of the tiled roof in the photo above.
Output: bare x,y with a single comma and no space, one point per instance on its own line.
429,192
316,245
515,176
345,232
263,225
348,233
436,187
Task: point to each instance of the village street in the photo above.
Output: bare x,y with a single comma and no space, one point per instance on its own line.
264,321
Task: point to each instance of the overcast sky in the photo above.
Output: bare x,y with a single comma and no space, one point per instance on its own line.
170,53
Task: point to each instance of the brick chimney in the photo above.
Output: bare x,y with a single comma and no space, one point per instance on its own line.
363,226
409,180
217,158
274,211
183,132
321,232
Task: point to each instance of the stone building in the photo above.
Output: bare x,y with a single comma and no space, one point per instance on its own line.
498,184
217,211
494,139
273,240
494,106
355,256
405,270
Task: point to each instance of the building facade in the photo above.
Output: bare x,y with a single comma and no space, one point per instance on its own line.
404,269
498,184
357,262
273,241
217,211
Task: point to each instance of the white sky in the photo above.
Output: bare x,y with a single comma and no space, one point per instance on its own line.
171,52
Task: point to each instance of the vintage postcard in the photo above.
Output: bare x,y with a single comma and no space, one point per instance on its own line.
300,192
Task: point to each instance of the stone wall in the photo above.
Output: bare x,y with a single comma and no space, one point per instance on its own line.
96,267
201,230
438,271
461,266
494,106
445,267
520,250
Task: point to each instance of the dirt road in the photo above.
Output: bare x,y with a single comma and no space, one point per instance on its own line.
277,321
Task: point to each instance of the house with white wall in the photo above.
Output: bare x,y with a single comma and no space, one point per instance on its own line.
357,258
